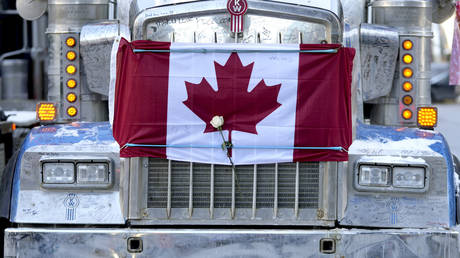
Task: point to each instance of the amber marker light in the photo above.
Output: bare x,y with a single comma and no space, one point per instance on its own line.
71,69
407,100
407,114
407,59
71,55
72,111
71,97
46,111
71,83
407,86
407,44
70,42
407,72
427,117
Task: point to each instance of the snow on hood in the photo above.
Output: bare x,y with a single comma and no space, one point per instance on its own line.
404,147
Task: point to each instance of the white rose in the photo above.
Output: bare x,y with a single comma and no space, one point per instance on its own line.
217,121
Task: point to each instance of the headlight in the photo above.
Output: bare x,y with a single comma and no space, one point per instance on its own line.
92,173
58,173
409,177
374,175
389,177
77,174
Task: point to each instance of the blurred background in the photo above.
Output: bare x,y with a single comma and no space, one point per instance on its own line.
445,96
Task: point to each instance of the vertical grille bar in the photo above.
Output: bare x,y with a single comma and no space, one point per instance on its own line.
233,192
168,205
211,201
275,202
296,204
254,192
190,199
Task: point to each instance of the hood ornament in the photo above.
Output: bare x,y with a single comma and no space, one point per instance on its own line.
237,8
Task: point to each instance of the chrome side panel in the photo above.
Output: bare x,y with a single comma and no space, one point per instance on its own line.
32,203
209,22
352,39
72,243
402,210
433,207
96,40
37,205
379,51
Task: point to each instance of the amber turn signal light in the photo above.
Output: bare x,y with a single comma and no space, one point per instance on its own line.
407,114
71,83
407,59
407,72
46,111
71,97
72,111
407,86
71,55
427,117
71,69
407,100
407,44
70,42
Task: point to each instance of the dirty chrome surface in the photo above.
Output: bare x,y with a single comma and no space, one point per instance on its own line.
138,6
413,21
432,207
265,22
379,52
35,242
96,42
32,203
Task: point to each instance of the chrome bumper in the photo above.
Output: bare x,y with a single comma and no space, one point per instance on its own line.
43,242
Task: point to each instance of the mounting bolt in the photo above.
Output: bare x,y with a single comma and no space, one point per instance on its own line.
320,213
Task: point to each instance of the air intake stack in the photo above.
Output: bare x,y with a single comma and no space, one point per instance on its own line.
411,83
67,84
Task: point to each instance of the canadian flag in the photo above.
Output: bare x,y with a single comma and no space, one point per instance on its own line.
279,103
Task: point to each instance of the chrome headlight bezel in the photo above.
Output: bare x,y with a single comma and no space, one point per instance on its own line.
390,187
76,184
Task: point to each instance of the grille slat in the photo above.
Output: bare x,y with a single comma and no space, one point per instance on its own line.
272,190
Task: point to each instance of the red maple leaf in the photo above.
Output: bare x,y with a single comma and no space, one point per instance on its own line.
242,110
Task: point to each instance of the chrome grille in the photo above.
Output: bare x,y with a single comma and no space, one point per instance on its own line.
201,185
284,185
